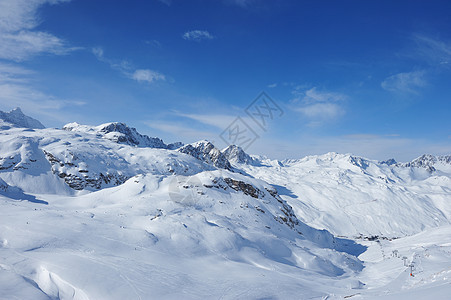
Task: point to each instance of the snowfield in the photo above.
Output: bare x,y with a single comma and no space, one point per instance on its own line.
356,197
103,212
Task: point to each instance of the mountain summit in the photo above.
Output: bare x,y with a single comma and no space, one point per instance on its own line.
17,118
122,134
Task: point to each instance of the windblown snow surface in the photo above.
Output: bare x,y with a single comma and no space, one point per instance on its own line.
88,217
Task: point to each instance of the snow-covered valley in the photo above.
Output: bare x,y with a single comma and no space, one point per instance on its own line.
103,212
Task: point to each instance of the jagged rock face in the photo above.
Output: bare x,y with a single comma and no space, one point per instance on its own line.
359,162
428,161
16,118
236,154
121,133
206,152
389,162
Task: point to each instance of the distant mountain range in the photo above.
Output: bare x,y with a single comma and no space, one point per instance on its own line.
97,192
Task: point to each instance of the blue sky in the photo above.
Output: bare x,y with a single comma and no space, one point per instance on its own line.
371,78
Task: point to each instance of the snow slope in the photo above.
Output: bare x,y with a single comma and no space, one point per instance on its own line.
208,238
104,212
388,275
356,197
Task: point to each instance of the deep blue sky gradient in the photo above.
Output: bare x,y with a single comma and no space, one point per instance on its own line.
346,49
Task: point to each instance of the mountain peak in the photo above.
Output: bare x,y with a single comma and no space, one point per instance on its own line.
17,118
207,152
236,154
121,133
16,110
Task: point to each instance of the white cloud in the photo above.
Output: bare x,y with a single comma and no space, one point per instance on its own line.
273,85
140,75
98,52
318,106
197,35
18,39
147,75
313,96
10,73
322,110
408,82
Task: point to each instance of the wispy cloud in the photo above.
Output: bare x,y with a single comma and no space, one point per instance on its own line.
197,35
318,106
146,75
10,73
18,38
408,82
433,49
195,126
153,43
273,85
16,89
219,121
322,111
140,75
181,131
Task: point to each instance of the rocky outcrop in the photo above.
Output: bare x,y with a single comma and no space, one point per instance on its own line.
286,214
427,161
208,153
79,178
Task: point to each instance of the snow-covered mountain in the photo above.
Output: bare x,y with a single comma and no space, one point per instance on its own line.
16,118
357,197
236,154
103,212
122,134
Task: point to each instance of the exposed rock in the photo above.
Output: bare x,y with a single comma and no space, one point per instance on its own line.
389,162
427,161
79,178
208,153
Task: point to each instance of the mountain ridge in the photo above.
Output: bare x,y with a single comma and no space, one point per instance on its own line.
17,118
